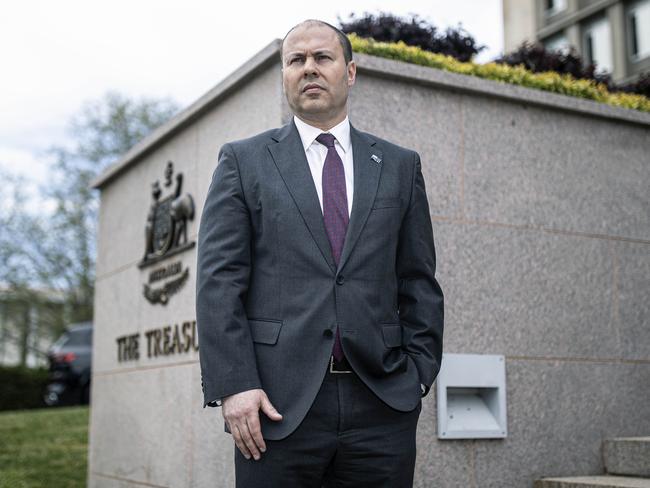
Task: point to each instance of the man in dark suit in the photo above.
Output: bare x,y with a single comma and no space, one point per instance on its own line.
316,297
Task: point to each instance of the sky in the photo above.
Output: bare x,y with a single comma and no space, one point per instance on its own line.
54,56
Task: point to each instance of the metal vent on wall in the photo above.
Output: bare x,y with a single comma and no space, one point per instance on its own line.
471,395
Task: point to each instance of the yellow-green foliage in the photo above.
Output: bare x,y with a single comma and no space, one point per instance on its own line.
517,75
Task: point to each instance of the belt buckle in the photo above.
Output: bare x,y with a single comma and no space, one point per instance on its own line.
332,370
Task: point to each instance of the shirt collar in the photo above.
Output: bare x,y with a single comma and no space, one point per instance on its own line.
309,133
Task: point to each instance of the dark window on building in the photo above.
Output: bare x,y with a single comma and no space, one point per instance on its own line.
552,7
639,27
589,48
635,39
597,44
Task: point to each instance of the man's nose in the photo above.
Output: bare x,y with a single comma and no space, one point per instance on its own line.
310,66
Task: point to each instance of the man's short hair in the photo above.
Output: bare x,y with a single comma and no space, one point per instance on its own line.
343,39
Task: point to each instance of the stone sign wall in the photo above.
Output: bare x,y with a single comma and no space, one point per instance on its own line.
540,208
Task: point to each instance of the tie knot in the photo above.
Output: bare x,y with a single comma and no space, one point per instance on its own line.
326,139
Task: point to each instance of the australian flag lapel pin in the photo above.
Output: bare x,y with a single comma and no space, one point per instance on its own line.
376,158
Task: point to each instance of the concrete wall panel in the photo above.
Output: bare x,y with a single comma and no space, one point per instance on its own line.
140,427
526,292
559,413
563,171
421,119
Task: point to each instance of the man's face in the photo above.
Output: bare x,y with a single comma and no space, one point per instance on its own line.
315,77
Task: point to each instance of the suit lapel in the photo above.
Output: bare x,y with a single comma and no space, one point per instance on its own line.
366,181
291,161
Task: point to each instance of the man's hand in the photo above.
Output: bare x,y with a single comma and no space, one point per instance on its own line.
240,411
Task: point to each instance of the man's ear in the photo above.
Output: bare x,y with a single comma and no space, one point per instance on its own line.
352,72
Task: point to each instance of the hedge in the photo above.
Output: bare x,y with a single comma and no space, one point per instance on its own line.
22,387
564,84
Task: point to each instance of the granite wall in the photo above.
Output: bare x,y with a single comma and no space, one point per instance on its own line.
540,206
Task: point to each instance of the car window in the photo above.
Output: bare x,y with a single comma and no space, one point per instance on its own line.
60,341
76,338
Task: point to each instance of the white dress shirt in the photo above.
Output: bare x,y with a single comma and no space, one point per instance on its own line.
316,153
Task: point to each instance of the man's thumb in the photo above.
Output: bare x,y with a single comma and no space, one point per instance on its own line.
269,409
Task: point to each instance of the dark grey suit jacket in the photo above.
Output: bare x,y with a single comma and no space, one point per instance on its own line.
269,295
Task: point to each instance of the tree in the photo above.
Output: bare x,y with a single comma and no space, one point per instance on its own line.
103,131
25,304
54,251
413,31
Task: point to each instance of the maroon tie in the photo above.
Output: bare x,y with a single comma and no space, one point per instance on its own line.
335,210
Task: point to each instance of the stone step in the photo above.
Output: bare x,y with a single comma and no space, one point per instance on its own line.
605,481
627,456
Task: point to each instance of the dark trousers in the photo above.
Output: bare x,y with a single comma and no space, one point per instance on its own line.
349,438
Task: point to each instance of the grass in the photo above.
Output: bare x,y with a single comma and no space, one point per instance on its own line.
44,448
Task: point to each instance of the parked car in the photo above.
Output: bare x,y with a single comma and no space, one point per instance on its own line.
70,359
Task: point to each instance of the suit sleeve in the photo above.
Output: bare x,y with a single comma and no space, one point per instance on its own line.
420,298
226,352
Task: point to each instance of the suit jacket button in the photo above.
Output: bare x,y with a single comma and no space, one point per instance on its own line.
340,280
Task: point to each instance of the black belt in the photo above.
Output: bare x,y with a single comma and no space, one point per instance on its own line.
342,366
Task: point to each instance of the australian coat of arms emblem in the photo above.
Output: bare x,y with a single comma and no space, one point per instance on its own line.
166,235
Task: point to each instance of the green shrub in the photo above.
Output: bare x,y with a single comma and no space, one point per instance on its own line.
22,387
564,84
